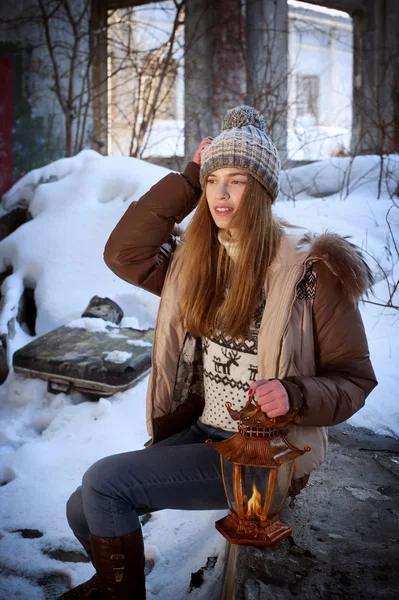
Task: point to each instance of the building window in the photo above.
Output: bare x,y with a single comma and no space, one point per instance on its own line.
308,93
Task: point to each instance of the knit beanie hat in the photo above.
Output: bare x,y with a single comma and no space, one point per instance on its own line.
244,143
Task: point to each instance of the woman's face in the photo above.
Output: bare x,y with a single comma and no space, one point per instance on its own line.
224,191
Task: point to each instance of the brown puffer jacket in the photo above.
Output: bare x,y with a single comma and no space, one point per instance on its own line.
316,344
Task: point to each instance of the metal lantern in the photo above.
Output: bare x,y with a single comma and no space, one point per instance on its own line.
257,466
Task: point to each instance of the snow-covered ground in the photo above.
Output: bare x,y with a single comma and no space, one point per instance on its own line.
47,441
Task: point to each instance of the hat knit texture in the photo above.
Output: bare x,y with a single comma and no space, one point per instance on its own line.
244,144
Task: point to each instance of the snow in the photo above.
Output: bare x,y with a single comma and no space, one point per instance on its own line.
48,441
55,439
23,191
130,322
117,356
321,9
92,324
139,343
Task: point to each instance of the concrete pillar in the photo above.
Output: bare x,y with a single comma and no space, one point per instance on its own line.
267,65
215,78
376,78
229,79
100,76
198,73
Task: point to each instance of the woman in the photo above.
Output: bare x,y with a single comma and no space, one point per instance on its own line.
248,303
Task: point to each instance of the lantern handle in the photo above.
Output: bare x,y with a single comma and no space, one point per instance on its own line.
252,402
234,414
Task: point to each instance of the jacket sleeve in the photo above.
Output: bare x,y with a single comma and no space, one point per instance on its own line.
344,374
140,247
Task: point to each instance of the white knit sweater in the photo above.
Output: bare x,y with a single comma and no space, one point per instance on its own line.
230,365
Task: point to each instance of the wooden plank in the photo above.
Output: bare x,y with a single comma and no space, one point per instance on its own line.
230,572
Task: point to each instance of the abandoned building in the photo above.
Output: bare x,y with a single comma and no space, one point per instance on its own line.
99,77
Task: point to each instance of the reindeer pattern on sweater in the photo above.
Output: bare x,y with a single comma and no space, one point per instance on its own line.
230,366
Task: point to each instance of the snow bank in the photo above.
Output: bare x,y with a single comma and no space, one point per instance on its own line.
23,191
357,177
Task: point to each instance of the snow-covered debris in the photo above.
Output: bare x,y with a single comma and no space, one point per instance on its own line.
59,253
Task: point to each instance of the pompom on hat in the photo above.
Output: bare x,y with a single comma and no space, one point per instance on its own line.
245,144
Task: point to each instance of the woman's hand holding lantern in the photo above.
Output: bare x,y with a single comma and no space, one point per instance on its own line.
271,396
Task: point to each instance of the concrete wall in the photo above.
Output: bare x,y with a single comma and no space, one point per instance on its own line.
39,121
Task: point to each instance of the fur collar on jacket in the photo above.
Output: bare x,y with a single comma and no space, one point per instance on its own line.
346,261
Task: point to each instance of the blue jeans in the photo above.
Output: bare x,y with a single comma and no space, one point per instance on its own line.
180,472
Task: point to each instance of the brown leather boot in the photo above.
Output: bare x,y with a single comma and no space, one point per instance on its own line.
85,591
86,545
89,589
120,566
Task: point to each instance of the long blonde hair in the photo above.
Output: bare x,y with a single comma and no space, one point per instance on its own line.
222,293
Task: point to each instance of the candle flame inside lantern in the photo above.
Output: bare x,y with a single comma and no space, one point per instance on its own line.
254,504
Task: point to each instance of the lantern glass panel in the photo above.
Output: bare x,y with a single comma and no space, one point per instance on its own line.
255,482
251,489
227,471
284,476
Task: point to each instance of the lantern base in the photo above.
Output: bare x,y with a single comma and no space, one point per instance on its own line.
253,533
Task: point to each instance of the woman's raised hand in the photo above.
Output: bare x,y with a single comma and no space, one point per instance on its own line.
204,143
271,396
